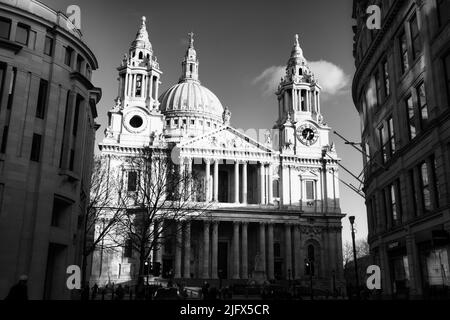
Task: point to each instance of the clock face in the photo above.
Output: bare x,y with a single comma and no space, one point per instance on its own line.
307,134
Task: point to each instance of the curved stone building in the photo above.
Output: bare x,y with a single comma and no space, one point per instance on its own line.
47,132
402,92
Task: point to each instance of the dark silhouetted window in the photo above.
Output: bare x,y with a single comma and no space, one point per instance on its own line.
12,88
4,139
22,34
36,148
403,52
132,181
48,47
422,103
42,99
415,37
5,28
412,130
68,56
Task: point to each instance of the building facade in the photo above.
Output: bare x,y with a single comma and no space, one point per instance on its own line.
274,203
401,91
47,121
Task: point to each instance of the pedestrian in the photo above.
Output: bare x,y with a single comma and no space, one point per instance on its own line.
94,291
19,292
120,293
205,290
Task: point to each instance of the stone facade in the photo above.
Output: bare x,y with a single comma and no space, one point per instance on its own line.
47,121
272,201
401,90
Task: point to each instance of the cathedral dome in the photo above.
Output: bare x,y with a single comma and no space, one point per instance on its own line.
192,97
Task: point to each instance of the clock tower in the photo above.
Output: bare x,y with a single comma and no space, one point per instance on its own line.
308,161
300,121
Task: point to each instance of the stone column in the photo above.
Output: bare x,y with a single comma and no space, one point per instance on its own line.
181,186
270,185
297,253
270,257
244,183
187,250
236,250
262,244
244,250
189,179
150,91
207,184
214,254
133,89
262,184
216,181
205,250
288,250
236,182
178,245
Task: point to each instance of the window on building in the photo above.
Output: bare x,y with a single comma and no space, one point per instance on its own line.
391,135
3,68
76,115
412,131
48,46
138,85
447,76
61,212
387,90
36,148
395,208
66,114
384,210
32,40
443,11
167,122
132,181
12,89
72,160
425,181
403,52
176,122
384,142
192,122
373,207
4,139
88,71
434,177
5,28
68,56
80,61
22,33
378,88
42,99
412,181
309,188
415,36
422,103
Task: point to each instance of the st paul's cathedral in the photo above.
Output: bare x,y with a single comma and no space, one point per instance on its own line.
274,203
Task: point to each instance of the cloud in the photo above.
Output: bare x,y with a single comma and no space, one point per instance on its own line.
331,78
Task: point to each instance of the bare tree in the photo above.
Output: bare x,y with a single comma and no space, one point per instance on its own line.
102,214
362,249
156,190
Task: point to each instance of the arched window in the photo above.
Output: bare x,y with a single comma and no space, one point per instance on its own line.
141,55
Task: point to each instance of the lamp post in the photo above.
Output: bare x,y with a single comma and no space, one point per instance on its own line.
352,222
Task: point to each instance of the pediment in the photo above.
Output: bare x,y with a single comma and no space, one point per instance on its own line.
226,138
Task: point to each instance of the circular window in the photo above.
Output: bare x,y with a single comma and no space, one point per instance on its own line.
136,122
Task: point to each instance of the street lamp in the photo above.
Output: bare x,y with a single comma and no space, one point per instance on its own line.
352,222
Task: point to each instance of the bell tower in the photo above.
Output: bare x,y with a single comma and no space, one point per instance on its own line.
299,116
190,62
136,120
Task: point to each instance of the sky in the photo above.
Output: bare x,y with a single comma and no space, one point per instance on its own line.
243,48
